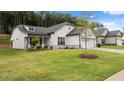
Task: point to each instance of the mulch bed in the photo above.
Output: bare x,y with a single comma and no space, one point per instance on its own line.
2,46
88,56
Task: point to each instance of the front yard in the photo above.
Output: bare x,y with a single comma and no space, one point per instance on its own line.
114,47
58,65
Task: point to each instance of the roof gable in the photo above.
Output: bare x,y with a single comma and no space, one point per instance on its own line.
42,30
78,31
100,31
114,33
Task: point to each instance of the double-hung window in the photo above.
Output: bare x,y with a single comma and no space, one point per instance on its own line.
61,41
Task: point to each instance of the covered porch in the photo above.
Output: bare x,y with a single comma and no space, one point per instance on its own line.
34,41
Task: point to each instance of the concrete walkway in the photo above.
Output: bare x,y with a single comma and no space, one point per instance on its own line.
111,50
117,77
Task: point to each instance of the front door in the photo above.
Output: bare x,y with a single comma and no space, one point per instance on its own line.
103,41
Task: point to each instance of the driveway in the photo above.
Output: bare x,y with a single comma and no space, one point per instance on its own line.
110,50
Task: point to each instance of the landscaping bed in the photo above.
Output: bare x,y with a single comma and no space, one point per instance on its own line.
88,56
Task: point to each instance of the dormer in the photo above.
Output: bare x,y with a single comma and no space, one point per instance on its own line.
31,29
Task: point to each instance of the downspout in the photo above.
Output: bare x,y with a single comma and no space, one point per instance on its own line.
79,41
116,40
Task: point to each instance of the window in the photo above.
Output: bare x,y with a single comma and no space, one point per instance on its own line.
61,41
31,29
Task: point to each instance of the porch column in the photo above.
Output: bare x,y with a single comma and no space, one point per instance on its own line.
43,42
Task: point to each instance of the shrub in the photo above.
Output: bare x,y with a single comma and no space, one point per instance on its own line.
98,45
72,47
66,47
45,47
38,47
35,40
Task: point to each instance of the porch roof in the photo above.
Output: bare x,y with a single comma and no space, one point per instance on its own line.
37,35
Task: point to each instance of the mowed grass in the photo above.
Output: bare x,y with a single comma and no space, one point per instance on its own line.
58,65
114,47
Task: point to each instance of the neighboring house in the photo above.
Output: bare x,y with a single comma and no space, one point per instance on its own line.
77,37
103,36
100,33
114,37
57,36
123,38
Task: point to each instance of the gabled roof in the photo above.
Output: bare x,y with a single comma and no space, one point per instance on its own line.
100,31
75,31
42,30
38,30
114,33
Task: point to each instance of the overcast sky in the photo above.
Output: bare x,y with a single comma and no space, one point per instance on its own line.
111,19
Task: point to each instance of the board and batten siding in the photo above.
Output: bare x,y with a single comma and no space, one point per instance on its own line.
114,40
53,39
17,39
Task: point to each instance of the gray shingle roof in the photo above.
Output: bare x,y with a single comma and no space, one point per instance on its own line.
42,30
100,31
114,33
75,31
38,30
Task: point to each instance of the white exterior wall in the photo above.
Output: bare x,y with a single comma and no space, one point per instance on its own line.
123,38
91,40
91,43
114,40
17,39
119,41
53,40
73,41
110,40
99,40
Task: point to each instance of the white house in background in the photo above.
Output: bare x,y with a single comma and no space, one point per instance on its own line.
103,36
100,33
123,38
57,36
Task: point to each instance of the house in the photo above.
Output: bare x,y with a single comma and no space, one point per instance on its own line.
100,33
123,38
57,36
103,36
76,38
114,37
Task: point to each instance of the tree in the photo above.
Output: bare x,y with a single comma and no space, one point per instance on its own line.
88,16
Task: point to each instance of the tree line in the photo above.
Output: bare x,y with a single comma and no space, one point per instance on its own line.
10,19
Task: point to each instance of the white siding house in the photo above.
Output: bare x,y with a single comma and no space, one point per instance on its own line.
114,37
104,36
57,36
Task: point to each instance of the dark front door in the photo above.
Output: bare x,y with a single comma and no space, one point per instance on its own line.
103,41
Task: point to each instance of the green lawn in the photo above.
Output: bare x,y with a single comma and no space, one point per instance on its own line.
58,65
114,47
